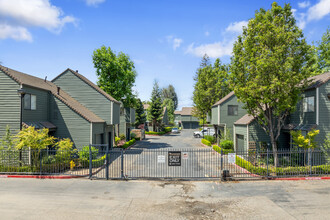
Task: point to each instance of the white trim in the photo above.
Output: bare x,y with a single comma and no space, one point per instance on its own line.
111,113
247,137
234,137
317,106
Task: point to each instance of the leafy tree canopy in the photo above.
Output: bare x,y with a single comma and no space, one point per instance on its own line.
116,74
270,60
323,54
155,109
170,108
169,93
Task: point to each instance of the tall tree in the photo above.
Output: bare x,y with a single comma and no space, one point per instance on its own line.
140,117
155,109
211,84
169,104
116,74
169,93
323,54
271,61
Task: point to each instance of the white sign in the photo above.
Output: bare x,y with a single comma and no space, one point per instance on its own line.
161,159
231,158
185,155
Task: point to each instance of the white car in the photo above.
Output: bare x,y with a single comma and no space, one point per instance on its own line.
175,130
203,132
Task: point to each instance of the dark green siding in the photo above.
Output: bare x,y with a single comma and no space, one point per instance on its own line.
115,113
301,117
214,116
257,134
9,104
86,95
189,118
229,120
42,106
240,130
69,124
324,110
98,133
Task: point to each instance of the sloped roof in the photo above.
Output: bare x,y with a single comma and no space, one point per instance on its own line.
245,120
146,106
224,98
88,82
25,79
187,110
319,80
177,112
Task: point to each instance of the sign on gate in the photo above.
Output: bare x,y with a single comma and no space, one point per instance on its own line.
161,159
174,158
185,156
231,158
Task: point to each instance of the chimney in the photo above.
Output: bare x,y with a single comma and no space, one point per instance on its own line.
58,90
77,71
45,78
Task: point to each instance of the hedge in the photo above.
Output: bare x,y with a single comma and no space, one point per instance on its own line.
206,142
155,133
129,143
224,151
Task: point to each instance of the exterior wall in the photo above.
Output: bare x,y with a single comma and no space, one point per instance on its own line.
69,124
122,125
9,104
86,95
257,134
98,133
42,108
324,113
240,130
229,120
214,119
177,118
115,113
189,118
301,117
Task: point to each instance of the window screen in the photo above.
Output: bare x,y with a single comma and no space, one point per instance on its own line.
232,109
309,104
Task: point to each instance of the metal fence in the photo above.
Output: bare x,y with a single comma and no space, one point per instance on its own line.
98,161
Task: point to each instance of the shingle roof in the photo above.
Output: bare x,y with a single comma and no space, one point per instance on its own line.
319,80
177,112
245,120
224,98
187,110
25,79
88,82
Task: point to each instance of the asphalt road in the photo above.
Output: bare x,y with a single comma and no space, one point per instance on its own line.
86,199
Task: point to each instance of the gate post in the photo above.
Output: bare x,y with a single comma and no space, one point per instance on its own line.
221,160
107,162
122,163
90,162
267,162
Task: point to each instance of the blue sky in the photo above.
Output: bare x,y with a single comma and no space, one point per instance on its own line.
165,39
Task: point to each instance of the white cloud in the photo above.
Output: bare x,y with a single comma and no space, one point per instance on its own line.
175,42
207,33
214,50
17,33
237,27
319,10
94,2
300,18
304,4
18,14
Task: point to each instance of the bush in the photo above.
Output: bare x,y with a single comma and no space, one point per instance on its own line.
133,136
117,139
227,144
206,142
168,129
65,150
129,143
84,153
210,138
224,151
122,137
155,133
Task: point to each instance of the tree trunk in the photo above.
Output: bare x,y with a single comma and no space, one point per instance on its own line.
274,146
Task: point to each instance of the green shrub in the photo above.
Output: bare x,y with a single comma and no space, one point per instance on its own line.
168,129
84,153
65,150
155,133
227,144
206,142
133,136
117,139
122,137
210,138
129,143
224,151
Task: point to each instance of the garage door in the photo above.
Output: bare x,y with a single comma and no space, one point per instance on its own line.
190,125
239,143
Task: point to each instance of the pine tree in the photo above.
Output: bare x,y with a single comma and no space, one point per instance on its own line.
156,109
140,117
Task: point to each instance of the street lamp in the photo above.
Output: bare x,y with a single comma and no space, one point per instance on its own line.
21,92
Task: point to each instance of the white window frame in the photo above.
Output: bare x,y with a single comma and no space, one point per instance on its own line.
309,104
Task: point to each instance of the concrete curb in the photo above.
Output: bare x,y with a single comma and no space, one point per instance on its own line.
40,176
302,178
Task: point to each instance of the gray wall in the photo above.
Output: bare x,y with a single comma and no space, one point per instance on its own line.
9,104
85,94
42,108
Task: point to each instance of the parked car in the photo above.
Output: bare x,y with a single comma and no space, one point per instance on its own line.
175,130
203,132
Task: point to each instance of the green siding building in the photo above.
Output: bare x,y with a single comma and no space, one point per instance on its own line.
185,119
58,106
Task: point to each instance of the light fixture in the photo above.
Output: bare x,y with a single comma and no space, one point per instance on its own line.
21,92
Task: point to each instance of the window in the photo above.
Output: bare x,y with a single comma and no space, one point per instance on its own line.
309,104
232,109
30,102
